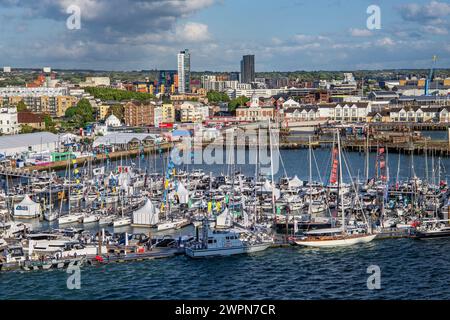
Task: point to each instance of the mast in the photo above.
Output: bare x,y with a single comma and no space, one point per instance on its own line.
340,181
398,169
433,169
271,173
367,155
310,175
426,162
68,195
256,173
50,195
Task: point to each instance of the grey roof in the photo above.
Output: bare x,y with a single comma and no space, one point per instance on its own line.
385,93
422,98
27,139
123,138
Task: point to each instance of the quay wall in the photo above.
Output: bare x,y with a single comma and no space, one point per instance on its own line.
100,157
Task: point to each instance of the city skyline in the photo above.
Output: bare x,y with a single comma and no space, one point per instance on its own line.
321,35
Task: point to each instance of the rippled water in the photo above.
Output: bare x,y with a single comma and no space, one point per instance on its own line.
410,269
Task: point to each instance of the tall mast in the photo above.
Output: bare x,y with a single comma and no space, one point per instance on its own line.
68,196
340,181
310,175
256,175
367,155
426,162
271,173
398,168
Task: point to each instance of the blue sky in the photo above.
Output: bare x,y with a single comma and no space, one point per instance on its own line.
284,35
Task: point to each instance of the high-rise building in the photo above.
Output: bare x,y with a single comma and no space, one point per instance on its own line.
248,68
184,71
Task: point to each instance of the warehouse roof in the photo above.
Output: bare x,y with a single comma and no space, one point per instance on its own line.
27,139
123,138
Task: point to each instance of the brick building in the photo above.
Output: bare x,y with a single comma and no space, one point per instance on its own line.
137,113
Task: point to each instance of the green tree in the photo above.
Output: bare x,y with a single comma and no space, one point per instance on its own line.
240,101
26,129
216,97
50,125
117,94
116,110
81,114
21,106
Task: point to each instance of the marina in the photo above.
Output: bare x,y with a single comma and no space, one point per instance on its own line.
163,214
209,161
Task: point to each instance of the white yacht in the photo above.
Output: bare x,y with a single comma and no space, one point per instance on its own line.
175,224
12,229
335,237
51,216
106,220
93,218
122,221
70,218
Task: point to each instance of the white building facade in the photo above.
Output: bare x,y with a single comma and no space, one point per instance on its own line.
8,121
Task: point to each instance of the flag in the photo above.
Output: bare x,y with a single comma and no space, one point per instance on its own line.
209,207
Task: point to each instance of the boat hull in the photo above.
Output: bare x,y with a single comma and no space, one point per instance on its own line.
69,219
432,235
336,242
222,252
122,222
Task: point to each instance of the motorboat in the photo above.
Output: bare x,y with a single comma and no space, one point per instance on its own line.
226,242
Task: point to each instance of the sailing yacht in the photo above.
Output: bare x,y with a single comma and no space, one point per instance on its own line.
69,217
336,237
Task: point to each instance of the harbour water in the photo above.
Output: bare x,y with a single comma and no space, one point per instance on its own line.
410,269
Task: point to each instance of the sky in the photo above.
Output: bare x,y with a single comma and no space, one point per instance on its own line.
284,35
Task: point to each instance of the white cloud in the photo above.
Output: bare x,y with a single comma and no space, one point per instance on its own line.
193,32
385,42
435,30
355,32
431,12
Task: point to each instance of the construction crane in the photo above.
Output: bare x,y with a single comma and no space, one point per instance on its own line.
430,77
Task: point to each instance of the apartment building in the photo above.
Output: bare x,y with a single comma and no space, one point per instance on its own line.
193,112
53,101
138,113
